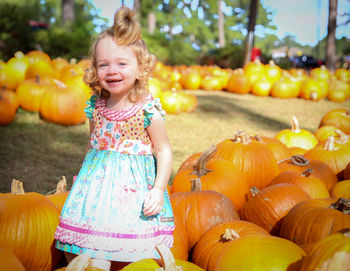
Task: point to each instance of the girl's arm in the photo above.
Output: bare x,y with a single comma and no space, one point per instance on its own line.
154,201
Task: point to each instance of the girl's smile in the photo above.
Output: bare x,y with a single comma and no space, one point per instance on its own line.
117,67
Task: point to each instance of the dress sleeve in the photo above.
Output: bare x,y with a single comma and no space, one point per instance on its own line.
91,106
154,104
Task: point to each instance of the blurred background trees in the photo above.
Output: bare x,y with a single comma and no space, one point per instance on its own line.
176,31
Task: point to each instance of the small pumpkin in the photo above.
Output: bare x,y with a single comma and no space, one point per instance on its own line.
305,180
297,137
299,163
195,210
341,189
217,175
7,111
212,242
339,118
268,206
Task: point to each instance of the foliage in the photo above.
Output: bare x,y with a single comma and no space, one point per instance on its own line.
71,40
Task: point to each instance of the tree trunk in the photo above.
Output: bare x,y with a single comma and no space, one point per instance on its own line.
151,22
67,11
251,29
221,25
331,57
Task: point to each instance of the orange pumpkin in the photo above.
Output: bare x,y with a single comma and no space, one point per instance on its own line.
28,224
267,207
62,105
347,172
213,241
7,111
180,247
42,69
320,169
341,189
305,180
336,156
195,210
312,220
191,80
238,82
260,252
320,73
296,137
342,74
339,118
310,89
285,88
330,253
279,150
30,92
11,97
244,151
36,56
189,162
217,175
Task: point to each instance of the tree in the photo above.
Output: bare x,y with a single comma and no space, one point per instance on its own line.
331,45
68,14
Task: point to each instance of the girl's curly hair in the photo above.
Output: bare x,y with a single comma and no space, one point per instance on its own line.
126,31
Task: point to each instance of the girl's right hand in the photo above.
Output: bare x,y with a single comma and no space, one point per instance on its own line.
153,202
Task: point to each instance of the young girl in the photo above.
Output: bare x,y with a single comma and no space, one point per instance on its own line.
118,208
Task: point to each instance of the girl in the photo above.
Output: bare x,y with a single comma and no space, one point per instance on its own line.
118,208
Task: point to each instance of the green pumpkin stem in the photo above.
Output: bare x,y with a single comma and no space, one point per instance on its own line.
342,205
17,187
199,168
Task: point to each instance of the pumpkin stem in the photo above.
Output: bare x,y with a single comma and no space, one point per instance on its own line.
242,137
196,185
58,83
342,205
329,145
254,191
61,187
37,78
343,138
199,168
258,138
307,172
79,263
229,235
298,160
168,259
295,125
17,187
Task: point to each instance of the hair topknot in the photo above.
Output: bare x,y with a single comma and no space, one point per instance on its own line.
126,28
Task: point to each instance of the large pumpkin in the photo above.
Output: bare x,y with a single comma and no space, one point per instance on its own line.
260,252
199,210
341,189
62,105
212,242
311,220
267,207
251,156
330,253
217,175
27,225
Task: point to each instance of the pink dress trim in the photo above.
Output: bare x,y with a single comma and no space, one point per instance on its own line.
120,114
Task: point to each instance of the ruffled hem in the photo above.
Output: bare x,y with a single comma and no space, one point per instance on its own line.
86,237
155,103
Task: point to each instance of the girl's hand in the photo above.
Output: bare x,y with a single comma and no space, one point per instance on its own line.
153,202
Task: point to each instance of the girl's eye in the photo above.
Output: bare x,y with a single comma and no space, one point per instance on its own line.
102,65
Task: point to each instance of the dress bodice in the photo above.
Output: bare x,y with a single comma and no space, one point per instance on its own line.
122,131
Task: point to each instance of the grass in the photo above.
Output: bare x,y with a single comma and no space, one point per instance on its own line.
38,153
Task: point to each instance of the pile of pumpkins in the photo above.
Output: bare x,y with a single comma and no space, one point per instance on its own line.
249,202
55,89
259,79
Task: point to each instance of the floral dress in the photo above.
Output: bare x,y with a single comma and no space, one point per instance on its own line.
102,216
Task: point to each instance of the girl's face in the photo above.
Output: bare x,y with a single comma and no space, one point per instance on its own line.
117,67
